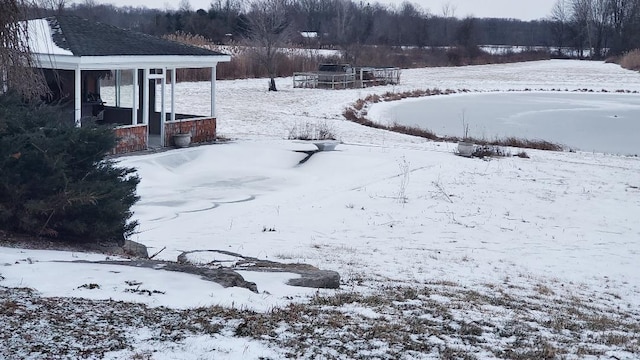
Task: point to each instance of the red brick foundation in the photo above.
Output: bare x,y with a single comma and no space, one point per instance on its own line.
130,139
202,130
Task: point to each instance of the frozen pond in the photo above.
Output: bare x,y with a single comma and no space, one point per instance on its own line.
601,122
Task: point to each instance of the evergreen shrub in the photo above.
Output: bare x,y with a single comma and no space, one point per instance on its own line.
55,179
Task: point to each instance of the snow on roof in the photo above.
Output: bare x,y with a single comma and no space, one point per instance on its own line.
40,38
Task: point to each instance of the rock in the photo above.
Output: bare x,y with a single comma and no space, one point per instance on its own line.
224,277
310,276
135,249
319,279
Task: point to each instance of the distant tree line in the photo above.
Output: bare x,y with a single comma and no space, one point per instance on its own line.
581,25
604,27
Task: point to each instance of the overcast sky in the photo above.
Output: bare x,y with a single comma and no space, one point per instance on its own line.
518,9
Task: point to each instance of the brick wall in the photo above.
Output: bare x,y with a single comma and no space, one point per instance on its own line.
130,139
202,130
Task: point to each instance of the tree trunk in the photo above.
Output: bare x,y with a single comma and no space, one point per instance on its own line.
272,84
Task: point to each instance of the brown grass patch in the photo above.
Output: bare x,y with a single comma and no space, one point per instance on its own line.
440,318
631,60
413,130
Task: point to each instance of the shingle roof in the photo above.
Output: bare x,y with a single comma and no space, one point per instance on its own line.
87,38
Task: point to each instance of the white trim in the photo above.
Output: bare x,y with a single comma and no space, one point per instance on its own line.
68,62
118,87
134,104
213,91
155,76
173,94
78,97
195,117
145,96
163,115
129,126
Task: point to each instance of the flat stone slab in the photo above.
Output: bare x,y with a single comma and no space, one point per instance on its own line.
224,269
222,276
310,276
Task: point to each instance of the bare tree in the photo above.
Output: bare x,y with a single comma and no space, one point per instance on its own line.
602,26
466,37
580,16
560,18
17,71
600,16
412,29
343,20
269,34
625,24
57,6
185,6
448,12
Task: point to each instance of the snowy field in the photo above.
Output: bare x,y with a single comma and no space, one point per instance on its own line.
409,226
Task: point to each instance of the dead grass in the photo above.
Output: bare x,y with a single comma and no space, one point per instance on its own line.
543,290
312,131
441,319
631,60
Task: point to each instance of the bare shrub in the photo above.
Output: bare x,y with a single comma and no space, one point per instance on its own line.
375,98
631,60
187,38
413,130
359,104
310,131
527,144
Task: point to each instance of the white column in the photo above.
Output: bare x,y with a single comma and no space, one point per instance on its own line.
118,85
213,91
163,115
78,97
173,94
134,106
145,96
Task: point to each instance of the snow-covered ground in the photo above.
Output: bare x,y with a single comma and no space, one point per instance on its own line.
384,210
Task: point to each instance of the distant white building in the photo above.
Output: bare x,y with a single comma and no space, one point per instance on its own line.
309,34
